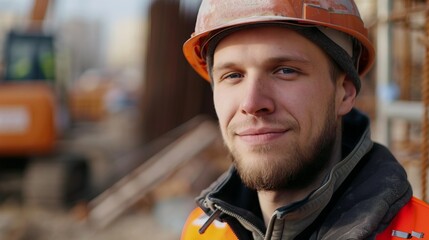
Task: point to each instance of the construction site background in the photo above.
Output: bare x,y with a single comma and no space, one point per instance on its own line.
131,104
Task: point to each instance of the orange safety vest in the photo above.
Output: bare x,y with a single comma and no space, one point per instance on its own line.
216,230
412,222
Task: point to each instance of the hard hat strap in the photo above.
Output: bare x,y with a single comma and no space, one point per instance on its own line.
346,62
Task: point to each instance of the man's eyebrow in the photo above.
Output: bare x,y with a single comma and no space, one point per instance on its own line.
225,65
271,60
289,58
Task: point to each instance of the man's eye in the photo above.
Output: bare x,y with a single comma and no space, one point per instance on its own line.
233,75
286,71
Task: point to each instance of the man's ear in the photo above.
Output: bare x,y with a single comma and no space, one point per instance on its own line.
346,95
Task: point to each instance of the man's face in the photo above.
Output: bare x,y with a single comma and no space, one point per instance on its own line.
277,106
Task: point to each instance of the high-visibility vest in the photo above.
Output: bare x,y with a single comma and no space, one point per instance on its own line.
216,230
412,222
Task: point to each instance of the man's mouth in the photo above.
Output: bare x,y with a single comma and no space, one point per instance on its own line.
257,136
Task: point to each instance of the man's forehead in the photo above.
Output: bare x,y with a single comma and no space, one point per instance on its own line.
275,39
259,35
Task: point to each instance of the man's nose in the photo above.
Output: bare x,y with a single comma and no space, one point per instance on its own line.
257,97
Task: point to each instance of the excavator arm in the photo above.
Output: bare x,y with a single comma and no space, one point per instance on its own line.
38,13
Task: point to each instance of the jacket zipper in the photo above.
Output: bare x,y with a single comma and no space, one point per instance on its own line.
209,221
220,209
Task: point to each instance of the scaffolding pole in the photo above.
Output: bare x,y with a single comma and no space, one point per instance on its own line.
425,96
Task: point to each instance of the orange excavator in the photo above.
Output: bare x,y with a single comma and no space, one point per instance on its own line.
32,165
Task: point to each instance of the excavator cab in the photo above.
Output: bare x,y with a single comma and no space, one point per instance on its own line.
47,174
27,101
30,56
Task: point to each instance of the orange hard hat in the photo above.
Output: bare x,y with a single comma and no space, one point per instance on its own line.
215,16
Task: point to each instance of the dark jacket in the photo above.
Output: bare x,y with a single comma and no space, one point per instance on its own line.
358,199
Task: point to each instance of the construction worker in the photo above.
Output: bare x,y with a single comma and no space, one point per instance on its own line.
285,76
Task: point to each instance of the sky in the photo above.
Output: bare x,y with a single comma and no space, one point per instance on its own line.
103,10
20,6
100,9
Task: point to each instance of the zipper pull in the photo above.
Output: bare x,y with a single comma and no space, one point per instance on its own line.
209,221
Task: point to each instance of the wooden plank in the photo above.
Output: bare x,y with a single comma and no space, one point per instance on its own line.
116,200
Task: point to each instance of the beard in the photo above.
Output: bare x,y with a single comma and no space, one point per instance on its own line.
288,167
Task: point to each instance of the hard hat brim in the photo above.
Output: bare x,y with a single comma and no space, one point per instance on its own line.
193,50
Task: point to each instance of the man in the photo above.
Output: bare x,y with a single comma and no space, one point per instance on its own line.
285,75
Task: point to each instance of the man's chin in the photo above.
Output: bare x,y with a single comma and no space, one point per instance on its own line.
254,162
263,173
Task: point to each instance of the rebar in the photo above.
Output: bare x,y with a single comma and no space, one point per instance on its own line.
425,98
405,81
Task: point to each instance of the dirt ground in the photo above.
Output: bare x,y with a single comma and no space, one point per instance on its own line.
25,223
161,217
